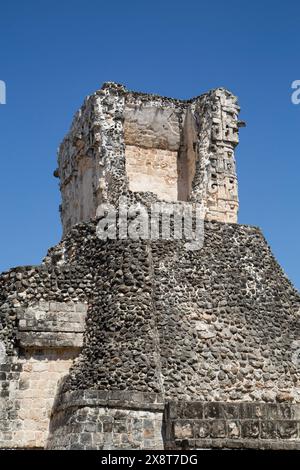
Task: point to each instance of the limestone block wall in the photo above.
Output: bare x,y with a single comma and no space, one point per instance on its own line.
28,386
152,135
107,420
152,170
49,339
52,324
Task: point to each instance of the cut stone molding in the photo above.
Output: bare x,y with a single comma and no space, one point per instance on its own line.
52,325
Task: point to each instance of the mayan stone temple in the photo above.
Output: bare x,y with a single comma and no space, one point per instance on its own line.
142,343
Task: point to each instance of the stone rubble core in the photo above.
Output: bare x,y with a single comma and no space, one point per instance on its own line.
142,344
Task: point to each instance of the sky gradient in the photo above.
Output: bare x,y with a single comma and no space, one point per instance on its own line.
53,54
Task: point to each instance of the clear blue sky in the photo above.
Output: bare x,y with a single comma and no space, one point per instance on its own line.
54,53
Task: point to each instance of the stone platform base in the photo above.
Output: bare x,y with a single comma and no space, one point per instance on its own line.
128,420
106,420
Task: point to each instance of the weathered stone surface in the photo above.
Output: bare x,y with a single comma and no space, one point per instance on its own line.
28,388
216,330
52,324
106,421
131,336
124,141
245,432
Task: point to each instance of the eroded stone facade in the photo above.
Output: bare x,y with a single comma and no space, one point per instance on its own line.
143,344
122,142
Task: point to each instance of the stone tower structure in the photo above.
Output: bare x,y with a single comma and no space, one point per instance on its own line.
140,343
124,141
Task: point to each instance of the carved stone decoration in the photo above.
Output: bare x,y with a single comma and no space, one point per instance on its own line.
141,343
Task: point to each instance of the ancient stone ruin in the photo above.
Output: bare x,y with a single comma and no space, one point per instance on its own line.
141,343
